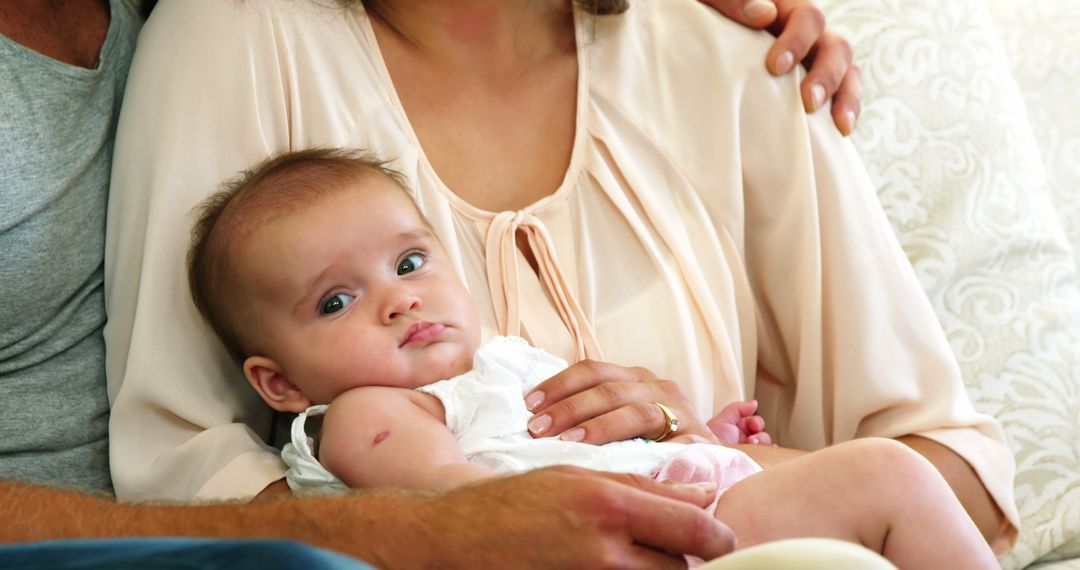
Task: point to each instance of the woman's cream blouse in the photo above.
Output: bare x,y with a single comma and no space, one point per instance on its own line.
705,229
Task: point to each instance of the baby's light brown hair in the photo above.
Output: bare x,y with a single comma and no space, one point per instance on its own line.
278,186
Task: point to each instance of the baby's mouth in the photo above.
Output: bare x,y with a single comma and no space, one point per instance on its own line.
422,332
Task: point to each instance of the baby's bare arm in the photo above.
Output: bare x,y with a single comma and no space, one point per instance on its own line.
392,437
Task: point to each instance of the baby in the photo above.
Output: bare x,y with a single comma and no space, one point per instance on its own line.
319,273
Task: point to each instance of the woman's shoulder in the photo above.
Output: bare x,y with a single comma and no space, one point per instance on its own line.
264,24
678,70
675,36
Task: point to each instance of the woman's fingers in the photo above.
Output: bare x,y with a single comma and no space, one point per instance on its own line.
638,419
597,402
579,377
614,411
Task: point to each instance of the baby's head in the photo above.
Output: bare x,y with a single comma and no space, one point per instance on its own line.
318,272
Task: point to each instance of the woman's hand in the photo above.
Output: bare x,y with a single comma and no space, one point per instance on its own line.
802,36
598,402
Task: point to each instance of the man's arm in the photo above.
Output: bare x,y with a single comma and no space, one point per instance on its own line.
551,518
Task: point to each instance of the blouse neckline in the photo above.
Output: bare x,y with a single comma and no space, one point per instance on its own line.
577,151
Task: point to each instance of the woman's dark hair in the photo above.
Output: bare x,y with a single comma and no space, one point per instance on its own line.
604,7
146,6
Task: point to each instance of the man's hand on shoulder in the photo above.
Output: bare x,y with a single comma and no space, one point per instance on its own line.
802,36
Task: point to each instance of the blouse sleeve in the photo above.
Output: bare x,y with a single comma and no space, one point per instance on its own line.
848,344
205,99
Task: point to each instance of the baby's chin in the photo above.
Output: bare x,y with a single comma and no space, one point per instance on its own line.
447,361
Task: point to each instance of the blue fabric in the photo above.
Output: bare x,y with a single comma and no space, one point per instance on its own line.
174,553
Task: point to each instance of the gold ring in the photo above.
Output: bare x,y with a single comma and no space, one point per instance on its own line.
671,423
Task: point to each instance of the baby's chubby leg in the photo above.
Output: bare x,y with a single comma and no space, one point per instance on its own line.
875,492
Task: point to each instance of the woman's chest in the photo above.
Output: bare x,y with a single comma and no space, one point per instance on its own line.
497,146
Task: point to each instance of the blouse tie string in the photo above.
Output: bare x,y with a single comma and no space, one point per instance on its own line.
502,273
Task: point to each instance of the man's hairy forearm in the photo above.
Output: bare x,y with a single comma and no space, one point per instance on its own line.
346,524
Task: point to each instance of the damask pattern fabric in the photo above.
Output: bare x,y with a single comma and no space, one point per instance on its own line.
946,138
1042,40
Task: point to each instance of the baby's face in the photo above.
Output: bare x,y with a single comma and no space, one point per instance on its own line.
354,290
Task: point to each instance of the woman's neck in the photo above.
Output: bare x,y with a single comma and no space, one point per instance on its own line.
502,36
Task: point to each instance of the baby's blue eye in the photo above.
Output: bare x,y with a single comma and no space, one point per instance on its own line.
411,263
335,303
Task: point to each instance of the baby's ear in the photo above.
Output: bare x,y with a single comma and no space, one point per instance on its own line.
275,388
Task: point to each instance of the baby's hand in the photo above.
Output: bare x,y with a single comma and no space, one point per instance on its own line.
736,423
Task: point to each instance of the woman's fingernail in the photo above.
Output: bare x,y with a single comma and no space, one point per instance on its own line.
576,434
540,424
757,9
785,62
533,400
848,121
817,96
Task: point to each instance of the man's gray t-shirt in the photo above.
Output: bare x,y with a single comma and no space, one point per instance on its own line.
57,124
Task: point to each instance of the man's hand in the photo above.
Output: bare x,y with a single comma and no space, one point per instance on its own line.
802,36
552,518
565,517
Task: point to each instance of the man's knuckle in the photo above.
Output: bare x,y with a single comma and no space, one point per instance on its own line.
607,501
700,531
610,555
814,15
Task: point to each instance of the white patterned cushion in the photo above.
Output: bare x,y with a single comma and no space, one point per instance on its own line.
1042,40
1042,43
946,138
